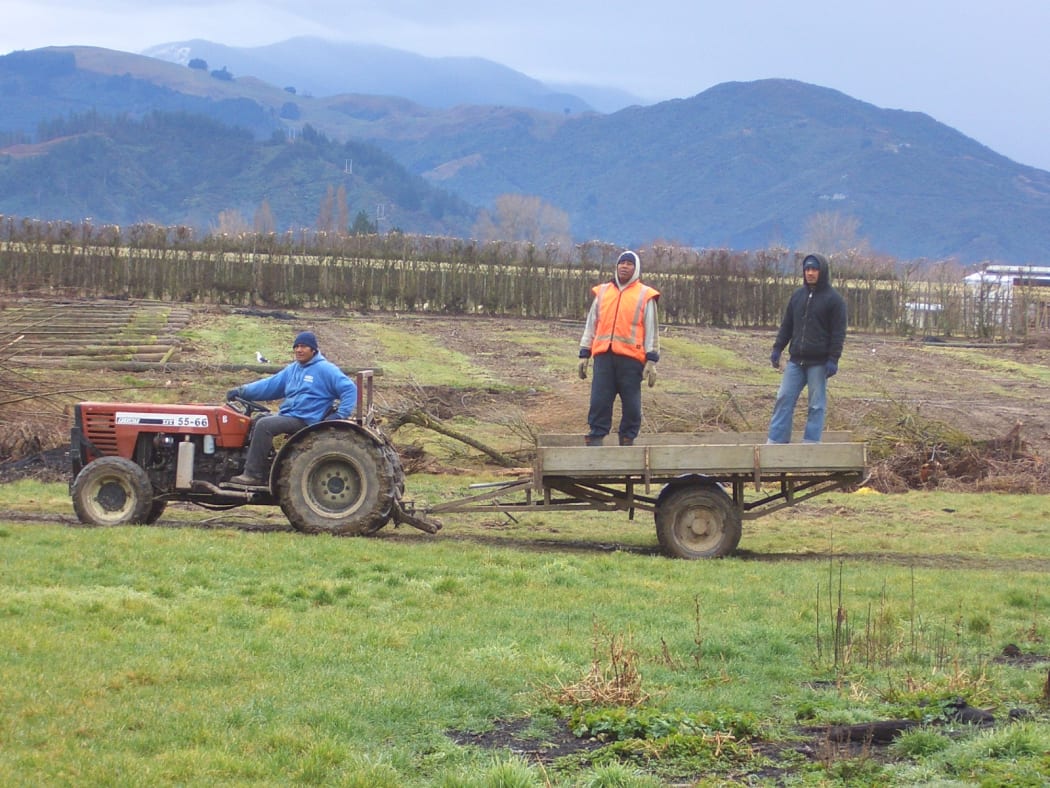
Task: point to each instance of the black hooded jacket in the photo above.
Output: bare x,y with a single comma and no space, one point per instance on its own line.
814,325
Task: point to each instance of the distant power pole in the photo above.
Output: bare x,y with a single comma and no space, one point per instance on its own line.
380,217
348,167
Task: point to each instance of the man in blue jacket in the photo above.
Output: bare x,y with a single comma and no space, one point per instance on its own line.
813,331
309,386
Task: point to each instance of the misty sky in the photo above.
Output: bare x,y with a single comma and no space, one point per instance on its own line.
981,67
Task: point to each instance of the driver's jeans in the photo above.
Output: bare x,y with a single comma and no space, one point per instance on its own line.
263,432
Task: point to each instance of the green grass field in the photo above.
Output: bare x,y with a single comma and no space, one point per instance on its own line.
204,653
562,649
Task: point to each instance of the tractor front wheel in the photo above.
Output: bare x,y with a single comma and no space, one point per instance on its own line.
112,491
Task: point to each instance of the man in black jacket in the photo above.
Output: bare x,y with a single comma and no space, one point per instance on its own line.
814,331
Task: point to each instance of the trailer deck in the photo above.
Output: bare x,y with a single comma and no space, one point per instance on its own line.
708,482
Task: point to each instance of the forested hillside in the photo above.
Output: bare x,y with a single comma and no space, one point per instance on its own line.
182,168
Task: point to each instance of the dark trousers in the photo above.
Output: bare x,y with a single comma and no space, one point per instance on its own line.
615,375
264,430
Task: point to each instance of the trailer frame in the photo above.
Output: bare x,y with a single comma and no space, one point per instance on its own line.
704,482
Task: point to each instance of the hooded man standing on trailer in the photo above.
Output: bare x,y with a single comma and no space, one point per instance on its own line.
622,335
814,331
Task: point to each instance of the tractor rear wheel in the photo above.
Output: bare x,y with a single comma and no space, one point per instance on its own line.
698,521
338,482
112,491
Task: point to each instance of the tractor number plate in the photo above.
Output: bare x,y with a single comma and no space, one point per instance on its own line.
163,419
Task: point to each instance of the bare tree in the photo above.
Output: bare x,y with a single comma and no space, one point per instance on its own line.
342,210
232,222
263,220
326,214
831,232
519,217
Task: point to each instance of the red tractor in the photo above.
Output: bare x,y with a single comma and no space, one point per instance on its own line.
338,477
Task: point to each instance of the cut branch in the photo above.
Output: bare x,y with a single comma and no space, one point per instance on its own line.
421,418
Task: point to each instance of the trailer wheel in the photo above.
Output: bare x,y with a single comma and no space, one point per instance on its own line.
338,483
698,521
112,491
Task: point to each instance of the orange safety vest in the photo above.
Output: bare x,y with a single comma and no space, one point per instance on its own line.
620,325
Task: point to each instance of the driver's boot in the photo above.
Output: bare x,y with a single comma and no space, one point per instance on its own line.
244,480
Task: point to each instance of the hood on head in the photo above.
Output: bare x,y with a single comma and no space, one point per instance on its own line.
627,254
825,268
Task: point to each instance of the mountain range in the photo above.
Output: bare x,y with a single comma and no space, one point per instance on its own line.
741,165
315,67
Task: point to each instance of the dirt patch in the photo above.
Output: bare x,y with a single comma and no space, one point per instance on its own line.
769,759
934,414
973,417
1014,656
516,736
887,388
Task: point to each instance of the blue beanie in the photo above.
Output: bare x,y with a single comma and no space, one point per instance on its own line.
306,338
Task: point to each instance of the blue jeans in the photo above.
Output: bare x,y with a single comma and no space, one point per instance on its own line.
814,378
615,375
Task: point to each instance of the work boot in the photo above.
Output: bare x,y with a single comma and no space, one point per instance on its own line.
244,480
626,441
593,440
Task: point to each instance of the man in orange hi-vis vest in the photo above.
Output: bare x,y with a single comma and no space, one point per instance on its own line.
622,336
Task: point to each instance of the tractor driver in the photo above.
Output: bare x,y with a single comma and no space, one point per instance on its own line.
309,386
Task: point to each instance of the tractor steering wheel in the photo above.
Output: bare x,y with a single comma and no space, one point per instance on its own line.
247,406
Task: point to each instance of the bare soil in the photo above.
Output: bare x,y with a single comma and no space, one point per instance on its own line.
976,415
935,413
821,744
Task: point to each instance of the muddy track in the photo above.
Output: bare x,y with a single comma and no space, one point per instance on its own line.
218,523
405,534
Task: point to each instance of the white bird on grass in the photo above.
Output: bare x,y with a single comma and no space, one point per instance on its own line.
261,358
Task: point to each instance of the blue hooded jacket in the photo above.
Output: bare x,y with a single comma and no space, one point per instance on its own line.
309,390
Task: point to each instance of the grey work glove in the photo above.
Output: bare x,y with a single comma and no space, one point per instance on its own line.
774,358
649,373
583,368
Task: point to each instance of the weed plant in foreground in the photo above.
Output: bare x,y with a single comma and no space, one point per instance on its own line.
225,656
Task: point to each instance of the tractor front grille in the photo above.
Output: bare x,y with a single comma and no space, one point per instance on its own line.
100,429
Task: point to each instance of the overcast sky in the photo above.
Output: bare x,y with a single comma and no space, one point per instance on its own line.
980,66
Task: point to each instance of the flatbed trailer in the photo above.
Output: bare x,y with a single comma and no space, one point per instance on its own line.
699,487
